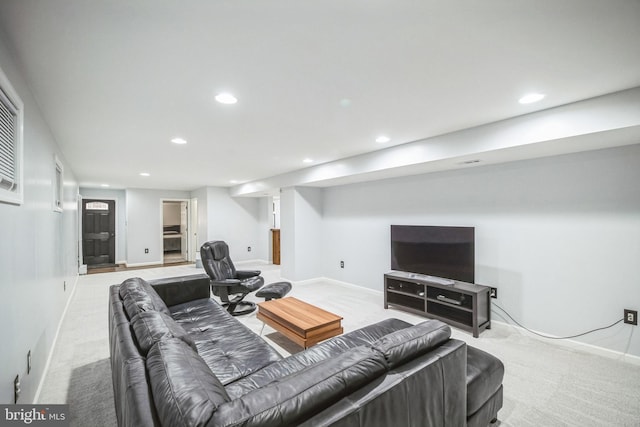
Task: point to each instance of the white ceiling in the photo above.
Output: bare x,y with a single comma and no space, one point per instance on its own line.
117,79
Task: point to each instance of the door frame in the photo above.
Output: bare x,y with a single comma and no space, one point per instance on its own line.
82,267
81,200
193,231
190,255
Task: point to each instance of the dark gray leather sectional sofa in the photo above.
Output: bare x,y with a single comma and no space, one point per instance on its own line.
179,359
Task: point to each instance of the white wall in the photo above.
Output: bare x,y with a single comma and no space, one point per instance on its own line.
287,233
264,229
237,222
301,229
558,236
121,216
242,222
274,211
144,224
203,225
39,250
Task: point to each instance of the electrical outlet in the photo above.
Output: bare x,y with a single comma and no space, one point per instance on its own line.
29,362
16,389
341,264
631,317
493,292
248,248
146,250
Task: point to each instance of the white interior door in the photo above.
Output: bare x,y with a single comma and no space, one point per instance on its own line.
184,225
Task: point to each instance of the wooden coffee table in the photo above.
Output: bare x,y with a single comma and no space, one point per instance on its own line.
302,323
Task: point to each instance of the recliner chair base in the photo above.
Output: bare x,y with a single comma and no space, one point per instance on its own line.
232,307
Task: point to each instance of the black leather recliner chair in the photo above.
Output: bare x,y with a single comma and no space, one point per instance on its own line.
226,281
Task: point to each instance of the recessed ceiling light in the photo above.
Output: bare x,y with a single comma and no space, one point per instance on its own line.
104,185
531,98
233,181
145,174
178,141
308,160
226,98
382,139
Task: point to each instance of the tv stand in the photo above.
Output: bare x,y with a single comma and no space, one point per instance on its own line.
464,305
433,279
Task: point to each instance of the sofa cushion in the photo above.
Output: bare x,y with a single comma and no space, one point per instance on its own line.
139,296
406,344
296,397
185,391
313,355
135,303
132,393
150,327
230,349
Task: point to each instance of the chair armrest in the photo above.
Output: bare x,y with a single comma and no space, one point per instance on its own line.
245,274
227,283
177,290
224,288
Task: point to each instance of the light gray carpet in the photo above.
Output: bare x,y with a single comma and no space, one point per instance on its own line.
545,384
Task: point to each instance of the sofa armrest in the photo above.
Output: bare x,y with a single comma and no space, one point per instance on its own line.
298,396
429,390
401,346
178,290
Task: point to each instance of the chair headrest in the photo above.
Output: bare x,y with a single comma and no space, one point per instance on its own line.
219,249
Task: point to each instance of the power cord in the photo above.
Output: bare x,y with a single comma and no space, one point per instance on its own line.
550,337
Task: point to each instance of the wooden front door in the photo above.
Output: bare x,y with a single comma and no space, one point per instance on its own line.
98,232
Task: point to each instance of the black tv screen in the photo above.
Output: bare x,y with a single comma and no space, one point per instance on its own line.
447,252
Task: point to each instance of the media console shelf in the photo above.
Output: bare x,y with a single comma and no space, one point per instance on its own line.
464,305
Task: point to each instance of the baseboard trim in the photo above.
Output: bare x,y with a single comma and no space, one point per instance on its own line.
577,345
350,285
47,364
143,264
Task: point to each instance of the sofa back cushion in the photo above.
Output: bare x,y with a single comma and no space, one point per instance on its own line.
139,296
298,396
151,327
132,392
185,391
406,344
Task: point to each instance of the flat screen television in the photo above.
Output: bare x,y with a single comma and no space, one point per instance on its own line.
447,252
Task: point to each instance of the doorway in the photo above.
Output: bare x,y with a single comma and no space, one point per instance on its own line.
175,231
98,233
194,253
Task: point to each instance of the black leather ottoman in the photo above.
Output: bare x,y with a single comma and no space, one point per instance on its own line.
484,387
274,290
